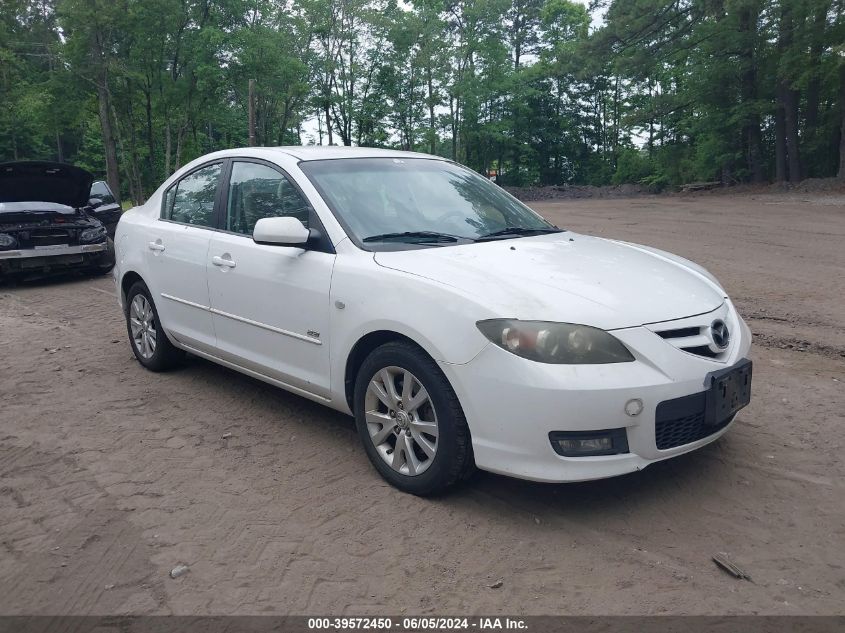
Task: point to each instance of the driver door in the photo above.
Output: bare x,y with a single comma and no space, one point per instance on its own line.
270,303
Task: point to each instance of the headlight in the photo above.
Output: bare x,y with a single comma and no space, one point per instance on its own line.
7,241
97,234
556,343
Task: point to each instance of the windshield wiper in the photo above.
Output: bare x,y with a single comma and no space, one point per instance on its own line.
416,236
516,230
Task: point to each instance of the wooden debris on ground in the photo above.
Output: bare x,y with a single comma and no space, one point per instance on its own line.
700,186
721,559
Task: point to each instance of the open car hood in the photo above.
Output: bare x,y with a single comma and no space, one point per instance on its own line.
41,181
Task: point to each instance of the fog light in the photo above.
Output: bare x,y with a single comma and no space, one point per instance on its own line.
587,443
634,407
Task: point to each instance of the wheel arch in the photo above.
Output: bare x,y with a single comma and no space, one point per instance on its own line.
362,348
129,278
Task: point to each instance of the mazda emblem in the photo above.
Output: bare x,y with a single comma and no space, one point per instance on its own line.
720,334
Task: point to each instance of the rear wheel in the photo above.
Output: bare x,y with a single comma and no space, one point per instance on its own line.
149,343
410,420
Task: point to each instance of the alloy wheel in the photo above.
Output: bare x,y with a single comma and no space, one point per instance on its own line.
143,326
401,420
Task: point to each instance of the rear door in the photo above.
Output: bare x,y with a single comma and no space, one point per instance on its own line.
270,303
177,253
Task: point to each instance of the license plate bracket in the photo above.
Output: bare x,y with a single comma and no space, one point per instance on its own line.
728,391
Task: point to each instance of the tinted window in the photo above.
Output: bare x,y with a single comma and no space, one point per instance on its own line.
101,190
257,191
191,201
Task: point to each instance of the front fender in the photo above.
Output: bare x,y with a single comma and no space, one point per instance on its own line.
367,298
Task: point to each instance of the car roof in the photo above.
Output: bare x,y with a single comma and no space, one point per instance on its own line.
325,152
320,152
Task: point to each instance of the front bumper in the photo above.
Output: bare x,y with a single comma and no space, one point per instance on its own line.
512,404
53,258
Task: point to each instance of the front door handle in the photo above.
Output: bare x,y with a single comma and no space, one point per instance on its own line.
156,246
222,261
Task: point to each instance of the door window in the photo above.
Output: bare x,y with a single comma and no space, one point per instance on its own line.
101,190
191,201
257,191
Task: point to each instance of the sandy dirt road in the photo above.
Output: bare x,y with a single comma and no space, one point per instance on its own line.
110,475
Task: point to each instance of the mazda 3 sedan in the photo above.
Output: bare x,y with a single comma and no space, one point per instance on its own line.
458,327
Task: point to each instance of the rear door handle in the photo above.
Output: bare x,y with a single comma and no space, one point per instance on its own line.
156,246
222,261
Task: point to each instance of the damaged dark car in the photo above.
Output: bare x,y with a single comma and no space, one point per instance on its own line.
47,224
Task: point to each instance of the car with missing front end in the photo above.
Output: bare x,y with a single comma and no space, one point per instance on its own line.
459,327
46,221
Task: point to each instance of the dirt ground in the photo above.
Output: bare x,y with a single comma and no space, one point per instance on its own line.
110,475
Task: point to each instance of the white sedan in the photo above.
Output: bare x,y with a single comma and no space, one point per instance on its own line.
459,327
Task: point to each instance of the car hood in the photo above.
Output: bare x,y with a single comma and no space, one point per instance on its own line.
35,207
40,181
567,277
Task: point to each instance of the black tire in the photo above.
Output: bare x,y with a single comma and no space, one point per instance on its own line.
166,355
453,458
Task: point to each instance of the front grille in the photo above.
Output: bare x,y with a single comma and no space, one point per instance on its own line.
692,334
680,332
681,421
702,350
49,237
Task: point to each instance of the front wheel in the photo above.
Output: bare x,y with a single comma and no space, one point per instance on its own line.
410,420
149,343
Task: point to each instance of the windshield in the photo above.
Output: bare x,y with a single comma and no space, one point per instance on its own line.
383,201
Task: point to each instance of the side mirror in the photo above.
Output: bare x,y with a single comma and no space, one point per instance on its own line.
285,231
95,202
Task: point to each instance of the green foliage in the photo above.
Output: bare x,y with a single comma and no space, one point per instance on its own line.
632,165
662,92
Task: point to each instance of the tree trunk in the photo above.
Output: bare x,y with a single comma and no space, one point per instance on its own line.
842,125
616,119
811,117
319,127
112,173
788,96
792,139
432,140
842,145
59,154
780,142
251,108
328,122
180,134
104,110
150,138
751,135
454,122
167,149
285,122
